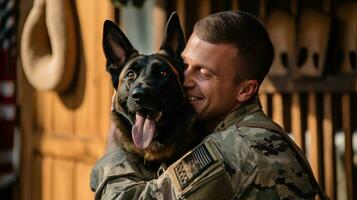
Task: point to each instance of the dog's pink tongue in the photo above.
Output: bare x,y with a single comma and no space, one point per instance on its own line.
143,132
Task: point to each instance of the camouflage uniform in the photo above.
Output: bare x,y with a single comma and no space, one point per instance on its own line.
245,158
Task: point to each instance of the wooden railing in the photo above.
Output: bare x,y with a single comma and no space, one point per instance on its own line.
314,111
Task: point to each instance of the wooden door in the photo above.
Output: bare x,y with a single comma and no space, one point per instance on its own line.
64,134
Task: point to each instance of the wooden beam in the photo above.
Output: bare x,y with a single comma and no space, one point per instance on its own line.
315,139
329,148
25,95
181,11
278,116
159,16
264,101
204,8
63,173
82,173
296,123
294,7
327,84
36,180
47,177
235,5
348,157
262,10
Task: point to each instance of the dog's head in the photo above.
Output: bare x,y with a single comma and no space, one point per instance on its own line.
150,104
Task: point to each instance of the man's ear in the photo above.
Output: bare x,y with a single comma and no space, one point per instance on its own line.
174,40
246,90
117,50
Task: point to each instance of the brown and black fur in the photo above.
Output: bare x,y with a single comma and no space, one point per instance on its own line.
151,83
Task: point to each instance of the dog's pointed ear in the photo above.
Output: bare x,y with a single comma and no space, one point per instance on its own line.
174,39
117,49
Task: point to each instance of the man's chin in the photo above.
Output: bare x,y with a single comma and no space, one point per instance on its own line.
197,109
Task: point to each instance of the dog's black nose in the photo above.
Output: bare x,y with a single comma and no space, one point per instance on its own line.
139,95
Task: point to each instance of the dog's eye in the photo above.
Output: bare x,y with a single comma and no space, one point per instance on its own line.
130,74
163,73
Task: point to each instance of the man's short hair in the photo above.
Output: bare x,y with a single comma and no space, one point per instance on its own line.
245,32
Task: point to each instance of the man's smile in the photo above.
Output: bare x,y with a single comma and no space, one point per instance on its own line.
193,99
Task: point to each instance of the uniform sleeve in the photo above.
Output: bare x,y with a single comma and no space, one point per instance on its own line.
200,174
121,176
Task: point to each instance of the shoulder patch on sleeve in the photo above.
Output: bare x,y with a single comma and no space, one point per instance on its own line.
201,170
193,165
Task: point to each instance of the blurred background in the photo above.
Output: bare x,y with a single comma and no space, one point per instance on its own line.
55,94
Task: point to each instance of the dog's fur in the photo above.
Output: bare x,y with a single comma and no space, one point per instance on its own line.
150,85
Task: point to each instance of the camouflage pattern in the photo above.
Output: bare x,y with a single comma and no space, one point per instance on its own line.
257,163
266,165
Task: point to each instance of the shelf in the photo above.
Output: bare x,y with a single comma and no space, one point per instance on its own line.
345,83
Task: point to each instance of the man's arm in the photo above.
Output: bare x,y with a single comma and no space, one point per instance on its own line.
120,175
197,175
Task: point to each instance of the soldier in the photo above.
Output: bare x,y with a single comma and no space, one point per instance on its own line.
247,156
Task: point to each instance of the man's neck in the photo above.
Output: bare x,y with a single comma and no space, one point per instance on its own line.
211,125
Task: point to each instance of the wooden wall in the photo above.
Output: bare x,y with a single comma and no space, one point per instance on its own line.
64,134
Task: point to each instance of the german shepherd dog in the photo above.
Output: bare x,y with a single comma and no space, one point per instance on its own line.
155,119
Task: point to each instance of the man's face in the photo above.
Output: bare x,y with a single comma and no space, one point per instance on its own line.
209,78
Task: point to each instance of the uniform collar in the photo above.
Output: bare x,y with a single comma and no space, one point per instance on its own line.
238,114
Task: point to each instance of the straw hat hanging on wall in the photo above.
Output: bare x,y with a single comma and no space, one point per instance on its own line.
48,45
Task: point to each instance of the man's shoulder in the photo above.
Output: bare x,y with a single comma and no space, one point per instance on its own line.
269,147
260,145
230,140
235,150
276,162
266,155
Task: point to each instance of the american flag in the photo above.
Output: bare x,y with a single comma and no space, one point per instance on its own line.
8,56
7,37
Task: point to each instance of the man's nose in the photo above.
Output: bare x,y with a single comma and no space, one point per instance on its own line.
188,81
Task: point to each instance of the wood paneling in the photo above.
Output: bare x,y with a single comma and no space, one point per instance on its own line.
62,179
47,167
76,148
62,117
65,133
81,178
43,116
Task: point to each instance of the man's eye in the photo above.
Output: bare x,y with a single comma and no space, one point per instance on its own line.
130,74
185,66
204,73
